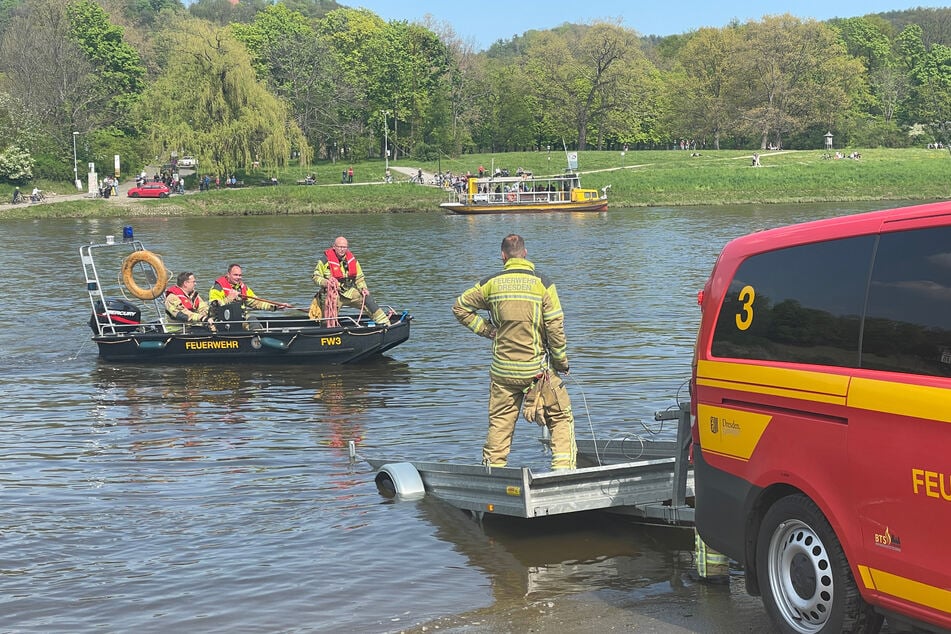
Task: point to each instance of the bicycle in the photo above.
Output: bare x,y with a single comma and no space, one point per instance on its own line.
18,197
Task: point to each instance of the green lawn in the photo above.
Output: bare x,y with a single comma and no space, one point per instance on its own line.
672,177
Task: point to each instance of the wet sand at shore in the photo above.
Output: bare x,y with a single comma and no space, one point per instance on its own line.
693,608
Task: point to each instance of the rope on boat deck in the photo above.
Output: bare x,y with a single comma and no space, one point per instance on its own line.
332,304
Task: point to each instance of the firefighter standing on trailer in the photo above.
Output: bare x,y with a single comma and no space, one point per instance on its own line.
528,342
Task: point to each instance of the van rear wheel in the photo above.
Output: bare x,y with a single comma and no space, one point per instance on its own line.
807,585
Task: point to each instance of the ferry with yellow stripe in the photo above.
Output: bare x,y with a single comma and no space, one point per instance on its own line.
526,193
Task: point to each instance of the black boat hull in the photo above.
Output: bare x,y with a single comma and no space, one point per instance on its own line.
271,343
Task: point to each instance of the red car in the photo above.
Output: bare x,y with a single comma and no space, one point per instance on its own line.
149,190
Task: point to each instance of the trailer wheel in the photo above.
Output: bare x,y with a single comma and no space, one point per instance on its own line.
807,585
400,479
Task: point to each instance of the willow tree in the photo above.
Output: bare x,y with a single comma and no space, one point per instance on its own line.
209,103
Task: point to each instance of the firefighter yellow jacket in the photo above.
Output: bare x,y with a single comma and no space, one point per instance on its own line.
216,295
527,321
351,288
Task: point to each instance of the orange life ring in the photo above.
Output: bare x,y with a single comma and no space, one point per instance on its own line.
161,274
511,197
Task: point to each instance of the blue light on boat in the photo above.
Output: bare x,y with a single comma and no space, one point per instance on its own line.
127,235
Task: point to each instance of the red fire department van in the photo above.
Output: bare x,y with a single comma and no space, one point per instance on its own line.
822,433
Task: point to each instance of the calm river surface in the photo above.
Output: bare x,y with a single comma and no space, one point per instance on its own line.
221,498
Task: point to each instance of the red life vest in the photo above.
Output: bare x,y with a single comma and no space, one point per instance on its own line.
224,283
187,301
336,270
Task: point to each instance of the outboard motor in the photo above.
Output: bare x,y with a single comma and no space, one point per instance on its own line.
125,316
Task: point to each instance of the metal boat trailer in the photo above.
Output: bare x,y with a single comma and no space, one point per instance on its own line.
649,480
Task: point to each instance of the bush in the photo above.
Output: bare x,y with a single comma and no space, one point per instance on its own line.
879,134
52,167
16,165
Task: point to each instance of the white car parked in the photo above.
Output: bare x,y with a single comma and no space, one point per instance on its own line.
187,161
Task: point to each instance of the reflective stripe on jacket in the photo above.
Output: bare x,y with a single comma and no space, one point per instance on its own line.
189,303
217,295
527,317
181,307
350,286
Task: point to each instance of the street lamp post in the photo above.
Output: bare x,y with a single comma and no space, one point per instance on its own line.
75,165
386,139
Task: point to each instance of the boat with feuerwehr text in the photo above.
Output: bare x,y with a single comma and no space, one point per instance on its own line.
525,193
138,329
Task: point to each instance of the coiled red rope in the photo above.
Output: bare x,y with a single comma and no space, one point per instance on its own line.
332,303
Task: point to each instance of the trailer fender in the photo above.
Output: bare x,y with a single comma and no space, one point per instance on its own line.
400,479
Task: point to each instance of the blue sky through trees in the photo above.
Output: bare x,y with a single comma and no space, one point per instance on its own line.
489,20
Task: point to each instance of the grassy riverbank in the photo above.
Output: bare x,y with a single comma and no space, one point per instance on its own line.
649,178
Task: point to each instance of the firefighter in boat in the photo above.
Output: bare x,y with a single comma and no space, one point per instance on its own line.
341,281
231,298
184,305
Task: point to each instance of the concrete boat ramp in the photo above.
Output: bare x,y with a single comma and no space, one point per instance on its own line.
650,480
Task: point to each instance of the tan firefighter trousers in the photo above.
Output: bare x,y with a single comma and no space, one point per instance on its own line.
505,401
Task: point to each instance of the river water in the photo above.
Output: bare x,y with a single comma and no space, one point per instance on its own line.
221,498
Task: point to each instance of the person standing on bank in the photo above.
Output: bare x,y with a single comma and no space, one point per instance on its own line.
338,269
231,289
183,304
528,342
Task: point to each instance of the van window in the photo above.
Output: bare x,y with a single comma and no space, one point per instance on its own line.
802,304
908,324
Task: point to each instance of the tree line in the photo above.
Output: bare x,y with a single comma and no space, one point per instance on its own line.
249,82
